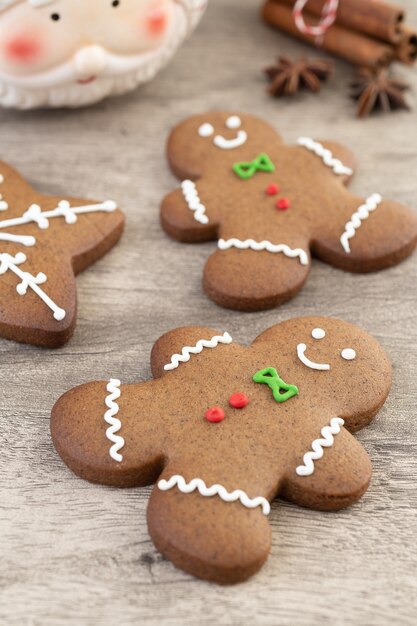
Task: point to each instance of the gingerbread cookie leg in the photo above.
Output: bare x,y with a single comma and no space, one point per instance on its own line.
333,473
251,275
367,234
209,531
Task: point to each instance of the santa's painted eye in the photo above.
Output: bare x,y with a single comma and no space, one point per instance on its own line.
348,354
206,130
55,17
233,122
115,3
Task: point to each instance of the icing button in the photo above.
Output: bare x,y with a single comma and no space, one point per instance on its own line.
215,415
272,189
239,400
283,204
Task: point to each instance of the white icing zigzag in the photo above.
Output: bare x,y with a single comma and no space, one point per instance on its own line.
11,263
115,423
226,244
215,490
193,201
371,204
327,432
326,156
187,351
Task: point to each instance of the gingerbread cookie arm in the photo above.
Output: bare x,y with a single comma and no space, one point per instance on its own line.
212,532
107,432
42,299
332,473
366,235
186,344
251,275
334,157
190,214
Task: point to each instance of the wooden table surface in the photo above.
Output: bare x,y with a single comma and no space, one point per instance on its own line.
73,553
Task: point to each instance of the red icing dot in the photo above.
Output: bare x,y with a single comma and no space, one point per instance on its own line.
283,204
272,189
215,414
239,400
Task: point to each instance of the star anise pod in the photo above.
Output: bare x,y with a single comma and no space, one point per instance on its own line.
288,76
378,91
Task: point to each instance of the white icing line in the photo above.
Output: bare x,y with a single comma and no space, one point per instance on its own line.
301,348
187,351
115,424
264,245
3,204
190,193
64,209
318,444
8,262
231,144
371,204
197,484
326,156
27,241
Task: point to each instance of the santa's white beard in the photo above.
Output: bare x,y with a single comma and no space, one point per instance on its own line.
60,86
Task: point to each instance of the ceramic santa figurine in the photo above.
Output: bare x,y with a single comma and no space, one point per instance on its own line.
76,52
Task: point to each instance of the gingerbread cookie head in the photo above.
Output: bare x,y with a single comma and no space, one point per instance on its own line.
44,242
73,53
271,207
224,429
214,140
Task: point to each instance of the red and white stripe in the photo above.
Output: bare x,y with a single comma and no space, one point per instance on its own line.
328,18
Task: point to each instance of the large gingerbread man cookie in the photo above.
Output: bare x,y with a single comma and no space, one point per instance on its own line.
44,242
271,206
224,429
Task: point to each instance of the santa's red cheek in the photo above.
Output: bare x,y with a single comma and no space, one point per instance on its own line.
23,49
156,22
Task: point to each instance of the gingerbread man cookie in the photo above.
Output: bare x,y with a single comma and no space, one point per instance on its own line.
44,242
271,206
224,429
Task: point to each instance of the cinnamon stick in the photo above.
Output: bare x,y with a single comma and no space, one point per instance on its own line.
350,45
371,17
406,51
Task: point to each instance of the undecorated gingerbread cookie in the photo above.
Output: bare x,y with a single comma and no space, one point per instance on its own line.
271,206
44,242
225,429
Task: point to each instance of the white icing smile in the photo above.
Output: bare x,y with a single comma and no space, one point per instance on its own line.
231,144
301,348
233,123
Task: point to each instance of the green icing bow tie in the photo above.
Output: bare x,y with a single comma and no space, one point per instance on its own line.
280,390
262,163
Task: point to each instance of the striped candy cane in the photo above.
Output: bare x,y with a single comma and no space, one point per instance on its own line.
328,18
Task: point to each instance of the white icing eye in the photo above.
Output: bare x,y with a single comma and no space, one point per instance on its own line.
233,122
318,333
206,130
348,354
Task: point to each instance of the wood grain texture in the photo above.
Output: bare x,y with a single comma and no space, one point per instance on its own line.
73,553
